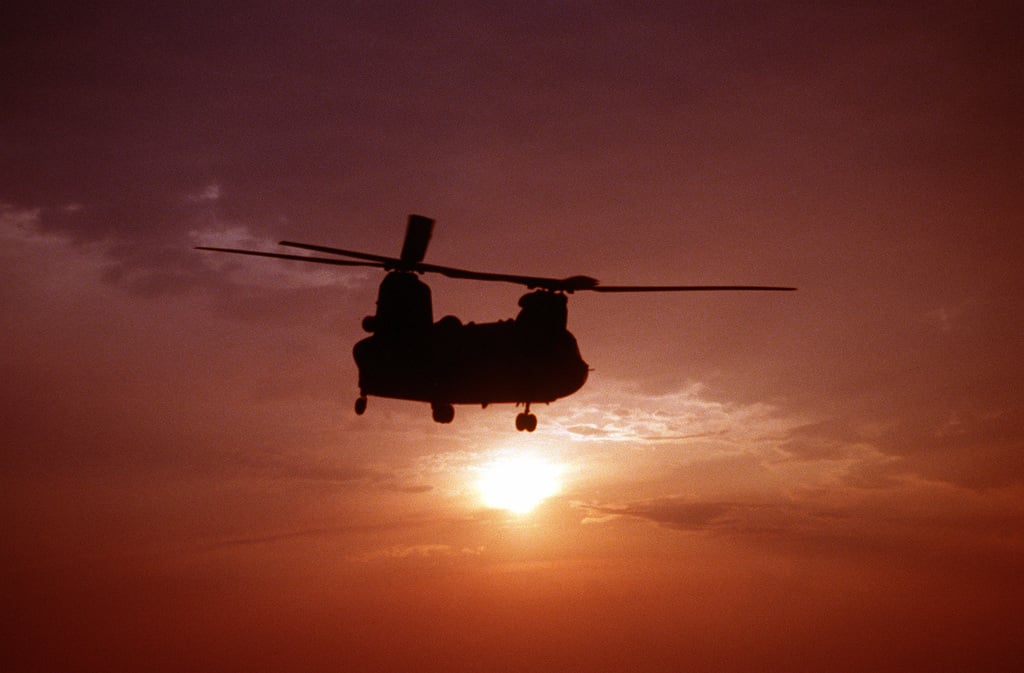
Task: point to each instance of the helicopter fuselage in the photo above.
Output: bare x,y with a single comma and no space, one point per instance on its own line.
532,358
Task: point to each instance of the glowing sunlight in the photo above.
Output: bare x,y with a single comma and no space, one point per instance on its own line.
517,483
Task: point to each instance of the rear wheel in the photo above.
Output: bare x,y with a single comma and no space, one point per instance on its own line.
527,422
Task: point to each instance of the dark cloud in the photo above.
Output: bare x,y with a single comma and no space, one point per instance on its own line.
911,522
983,451
670,512
970,449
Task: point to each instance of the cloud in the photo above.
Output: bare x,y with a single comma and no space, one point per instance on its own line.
620,412
46,268
975,449
971,446
844,453
19,223
785,517
20,227
416,551
209,193
980,449
677,513
912,521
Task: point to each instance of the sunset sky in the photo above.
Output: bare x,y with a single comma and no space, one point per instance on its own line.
831,479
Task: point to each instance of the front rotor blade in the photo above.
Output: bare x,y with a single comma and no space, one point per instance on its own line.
298,258
690,288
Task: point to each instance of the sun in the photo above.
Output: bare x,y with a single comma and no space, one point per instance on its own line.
517,483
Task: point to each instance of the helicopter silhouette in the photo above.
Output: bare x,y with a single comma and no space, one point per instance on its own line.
530,359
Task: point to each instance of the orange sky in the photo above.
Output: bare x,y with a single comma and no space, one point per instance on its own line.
830,479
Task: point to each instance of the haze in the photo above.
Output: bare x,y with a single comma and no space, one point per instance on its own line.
830,479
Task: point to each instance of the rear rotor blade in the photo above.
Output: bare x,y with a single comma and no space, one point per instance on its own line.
532,282
414,247
298,258
417,237
387,262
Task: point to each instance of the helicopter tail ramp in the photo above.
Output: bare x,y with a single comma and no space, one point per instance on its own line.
417,237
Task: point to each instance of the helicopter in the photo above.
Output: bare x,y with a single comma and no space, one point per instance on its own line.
530,359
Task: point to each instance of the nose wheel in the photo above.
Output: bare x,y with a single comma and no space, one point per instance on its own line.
526,421
443,413
361,405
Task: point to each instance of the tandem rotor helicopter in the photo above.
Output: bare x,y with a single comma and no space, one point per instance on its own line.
530,359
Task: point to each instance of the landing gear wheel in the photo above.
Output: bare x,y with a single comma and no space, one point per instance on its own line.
443,413
527,422
361,405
